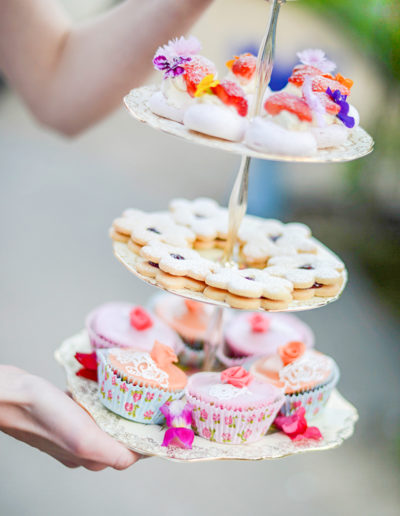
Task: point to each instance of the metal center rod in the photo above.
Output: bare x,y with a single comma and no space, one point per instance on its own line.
239,196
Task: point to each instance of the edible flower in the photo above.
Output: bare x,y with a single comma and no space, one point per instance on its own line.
89,363
317,58
172,67
179,47
314,103
259,323
236,376
178,416
296,427
231,62
205,85
341,101
140,319
344,80
291,351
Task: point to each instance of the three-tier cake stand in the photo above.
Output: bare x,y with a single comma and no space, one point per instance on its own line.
336,423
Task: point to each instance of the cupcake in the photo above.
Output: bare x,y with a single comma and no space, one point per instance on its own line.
122,325
135,384
251,335
190,319
232,407
307,376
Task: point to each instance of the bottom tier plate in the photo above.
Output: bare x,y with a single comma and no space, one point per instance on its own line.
336,423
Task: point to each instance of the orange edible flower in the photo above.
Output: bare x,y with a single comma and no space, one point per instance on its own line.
343,80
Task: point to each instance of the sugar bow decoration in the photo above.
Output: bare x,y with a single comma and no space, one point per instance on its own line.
236,376
296,427
89,363
341,100
317,58
178,418
140,319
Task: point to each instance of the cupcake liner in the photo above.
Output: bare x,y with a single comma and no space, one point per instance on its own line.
135,402
313,400
190,357
229,361
228,426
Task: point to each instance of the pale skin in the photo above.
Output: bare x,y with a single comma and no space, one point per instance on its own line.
70,77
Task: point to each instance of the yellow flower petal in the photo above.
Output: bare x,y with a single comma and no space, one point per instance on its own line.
205,84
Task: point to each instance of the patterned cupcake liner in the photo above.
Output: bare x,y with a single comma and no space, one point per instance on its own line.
135,402
313,400
190,357
228,426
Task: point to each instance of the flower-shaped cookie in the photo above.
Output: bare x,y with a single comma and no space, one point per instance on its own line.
122,226
251,283
160,227
272,238
306,270
203,216
178,261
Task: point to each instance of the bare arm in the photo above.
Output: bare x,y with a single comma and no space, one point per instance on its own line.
70,77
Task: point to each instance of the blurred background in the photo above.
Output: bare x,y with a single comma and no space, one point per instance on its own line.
58,197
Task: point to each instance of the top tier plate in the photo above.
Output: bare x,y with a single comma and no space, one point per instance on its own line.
359,143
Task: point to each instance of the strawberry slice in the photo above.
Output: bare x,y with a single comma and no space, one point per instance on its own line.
244,66
195,70
286,102
322,83
300,72
232,94
331,107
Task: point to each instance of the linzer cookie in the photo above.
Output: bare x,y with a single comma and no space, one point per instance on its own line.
311,275
260,241
249,289
203,216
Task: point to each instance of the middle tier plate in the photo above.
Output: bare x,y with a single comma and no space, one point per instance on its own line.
131,261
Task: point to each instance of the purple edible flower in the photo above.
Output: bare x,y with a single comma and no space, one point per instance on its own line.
171,67
178,414
341,101
179,437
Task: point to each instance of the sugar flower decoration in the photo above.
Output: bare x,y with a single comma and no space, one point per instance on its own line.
314,103
316,57
237,376
172,67
89,363
205,85
178,416
296,427
180,47
140,319
259,323
341,100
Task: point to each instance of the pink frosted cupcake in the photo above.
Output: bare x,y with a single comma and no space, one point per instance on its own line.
123,325
307,376
135,384
251,335
232,407
190,320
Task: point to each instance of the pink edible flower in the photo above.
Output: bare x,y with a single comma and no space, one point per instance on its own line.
316,57
179,437
295,426
179,47
178,414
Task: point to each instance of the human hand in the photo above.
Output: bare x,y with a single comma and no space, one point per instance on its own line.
34,411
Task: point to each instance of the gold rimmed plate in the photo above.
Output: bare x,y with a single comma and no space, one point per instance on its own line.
359,143
336,423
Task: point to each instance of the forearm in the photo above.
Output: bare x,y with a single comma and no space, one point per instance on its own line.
95,64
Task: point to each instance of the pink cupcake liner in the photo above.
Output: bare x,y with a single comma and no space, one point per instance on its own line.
228,426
